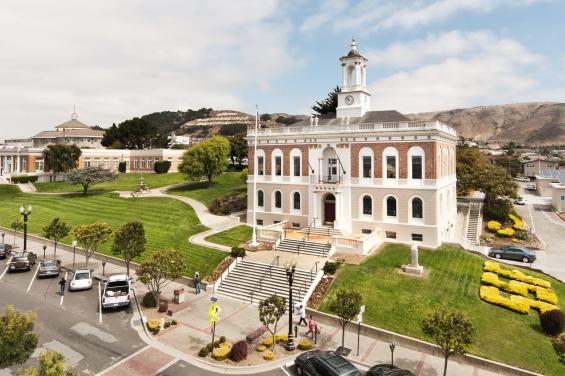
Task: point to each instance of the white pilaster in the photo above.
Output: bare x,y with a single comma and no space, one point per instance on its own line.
337,223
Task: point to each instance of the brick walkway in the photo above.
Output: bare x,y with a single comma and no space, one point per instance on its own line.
147,361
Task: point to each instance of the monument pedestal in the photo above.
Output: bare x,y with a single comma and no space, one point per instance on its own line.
413,269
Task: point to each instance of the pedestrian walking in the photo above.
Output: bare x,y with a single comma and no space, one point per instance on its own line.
196,282
62,284
302,313
311,326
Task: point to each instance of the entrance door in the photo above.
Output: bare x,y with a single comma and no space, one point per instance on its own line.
329,209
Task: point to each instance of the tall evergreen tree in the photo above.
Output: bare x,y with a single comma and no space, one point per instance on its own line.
327,105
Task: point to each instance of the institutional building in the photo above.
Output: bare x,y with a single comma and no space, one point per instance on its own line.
366,176
26,158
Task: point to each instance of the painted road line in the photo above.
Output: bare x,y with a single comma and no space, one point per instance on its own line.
99,303
63,296
123,360
33,278
7,267
166,366
531,219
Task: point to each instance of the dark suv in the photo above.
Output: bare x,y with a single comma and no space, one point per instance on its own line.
388,370
22,261
324,363
5,250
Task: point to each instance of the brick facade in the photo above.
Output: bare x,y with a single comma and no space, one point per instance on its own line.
286,149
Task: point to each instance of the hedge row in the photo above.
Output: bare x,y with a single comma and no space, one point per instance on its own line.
494,267
23,179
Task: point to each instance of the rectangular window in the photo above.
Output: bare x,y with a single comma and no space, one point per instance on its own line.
143,163
260,166
416,167
390,234
135,164
391,167
275,222
296,162
366,231
296,225
116,163
417,237
97,162
259,222
149,163
106,163
367,166
278,166
39,166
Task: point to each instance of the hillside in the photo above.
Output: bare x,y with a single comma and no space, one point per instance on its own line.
535,123
170,121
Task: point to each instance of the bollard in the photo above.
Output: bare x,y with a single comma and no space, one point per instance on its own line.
315,334
295,331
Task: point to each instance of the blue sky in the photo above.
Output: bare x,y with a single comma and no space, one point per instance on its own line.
115,60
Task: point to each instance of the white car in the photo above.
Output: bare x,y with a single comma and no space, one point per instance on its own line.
523,179
520,201
81,280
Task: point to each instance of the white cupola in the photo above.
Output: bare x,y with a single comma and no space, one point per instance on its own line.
354,100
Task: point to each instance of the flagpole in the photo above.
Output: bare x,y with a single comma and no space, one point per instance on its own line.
254,237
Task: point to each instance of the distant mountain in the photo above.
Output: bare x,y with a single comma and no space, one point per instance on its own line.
535,123
170,121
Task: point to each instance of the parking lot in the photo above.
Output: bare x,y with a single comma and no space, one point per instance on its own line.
72,323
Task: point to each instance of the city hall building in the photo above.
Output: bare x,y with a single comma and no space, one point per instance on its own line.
364,176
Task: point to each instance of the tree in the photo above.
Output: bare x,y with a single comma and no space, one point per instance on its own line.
161,268
207,159
129,241
17,225
136,133
91,235
61,157
162,167
328,105
122,167
452,332
17,339
51,363
265,117
56,231
89,176
238,149
270,312
346,305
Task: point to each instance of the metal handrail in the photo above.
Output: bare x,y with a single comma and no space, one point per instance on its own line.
315,266
311,168
280,238
310,225
259,283
300,245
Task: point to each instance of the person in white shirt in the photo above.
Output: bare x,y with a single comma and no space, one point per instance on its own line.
302,313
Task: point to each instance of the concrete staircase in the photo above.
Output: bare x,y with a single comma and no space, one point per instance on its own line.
304,247
252,282
321,231
473,224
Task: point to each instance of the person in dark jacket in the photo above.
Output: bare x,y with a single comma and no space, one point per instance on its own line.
62,284
197,283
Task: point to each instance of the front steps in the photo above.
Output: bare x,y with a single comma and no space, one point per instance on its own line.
243,282
321,231
304,247
473,225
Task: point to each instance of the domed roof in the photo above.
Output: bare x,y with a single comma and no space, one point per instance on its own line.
353,51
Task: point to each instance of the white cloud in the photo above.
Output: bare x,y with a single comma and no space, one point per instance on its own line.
372,15
115,60
477,68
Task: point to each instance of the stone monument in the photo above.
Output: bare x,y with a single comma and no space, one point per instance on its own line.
413,267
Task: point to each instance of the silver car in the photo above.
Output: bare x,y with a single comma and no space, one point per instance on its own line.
49,268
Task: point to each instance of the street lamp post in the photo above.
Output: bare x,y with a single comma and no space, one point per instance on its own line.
44,248
74,251
392,347
290,270
25,213
103,268
3,234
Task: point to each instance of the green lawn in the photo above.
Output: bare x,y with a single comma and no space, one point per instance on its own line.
126,182
233,237
168,223
399,303
227,184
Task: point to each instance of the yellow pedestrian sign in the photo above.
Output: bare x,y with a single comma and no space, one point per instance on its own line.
214,313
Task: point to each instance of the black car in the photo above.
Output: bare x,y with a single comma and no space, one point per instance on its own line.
22,261
5,250
513,252
324,363
388,370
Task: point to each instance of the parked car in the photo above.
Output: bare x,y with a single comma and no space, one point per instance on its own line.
522,179
324,363
520,201
513,252
5,250
388,370
81,280
116,292
22,261
49,268
531,187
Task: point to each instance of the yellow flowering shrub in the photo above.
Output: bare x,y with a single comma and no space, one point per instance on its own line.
516,287
518,223
494,267
491,279
221,353
304,344
268,355
494,226
546,295
261,348
283,338
154,325
491,294
506,232
535,304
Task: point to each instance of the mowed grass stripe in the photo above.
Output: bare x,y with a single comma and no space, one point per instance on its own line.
168,223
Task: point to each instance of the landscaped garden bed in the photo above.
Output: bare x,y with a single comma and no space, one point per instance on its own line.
399,303
513,231
219,270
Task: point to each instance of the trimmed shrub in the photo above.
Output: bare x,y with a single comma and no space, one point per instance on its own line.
243,174
238,351
209,347
203,352
518,224
122,166
222,339
268,355
509,232
237,252
161,167
154,325
494,226
552,322
330,267
491,294
546,295
228,204
282,338
491,266
23,179
221,353
149,300
304,344
498,211
261,348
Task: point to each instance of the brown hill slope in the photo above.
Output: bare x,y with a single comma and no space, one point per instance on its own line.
538,123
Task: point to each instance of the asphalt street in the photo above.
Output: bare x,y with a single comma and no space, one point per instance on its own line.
72,324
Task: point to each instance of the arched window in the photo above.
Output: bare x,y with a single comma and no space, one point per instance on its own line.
417,208
260,199
278,200
296,162
390,163
366,163
296,200
277,163
416,163
367,205
391,206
